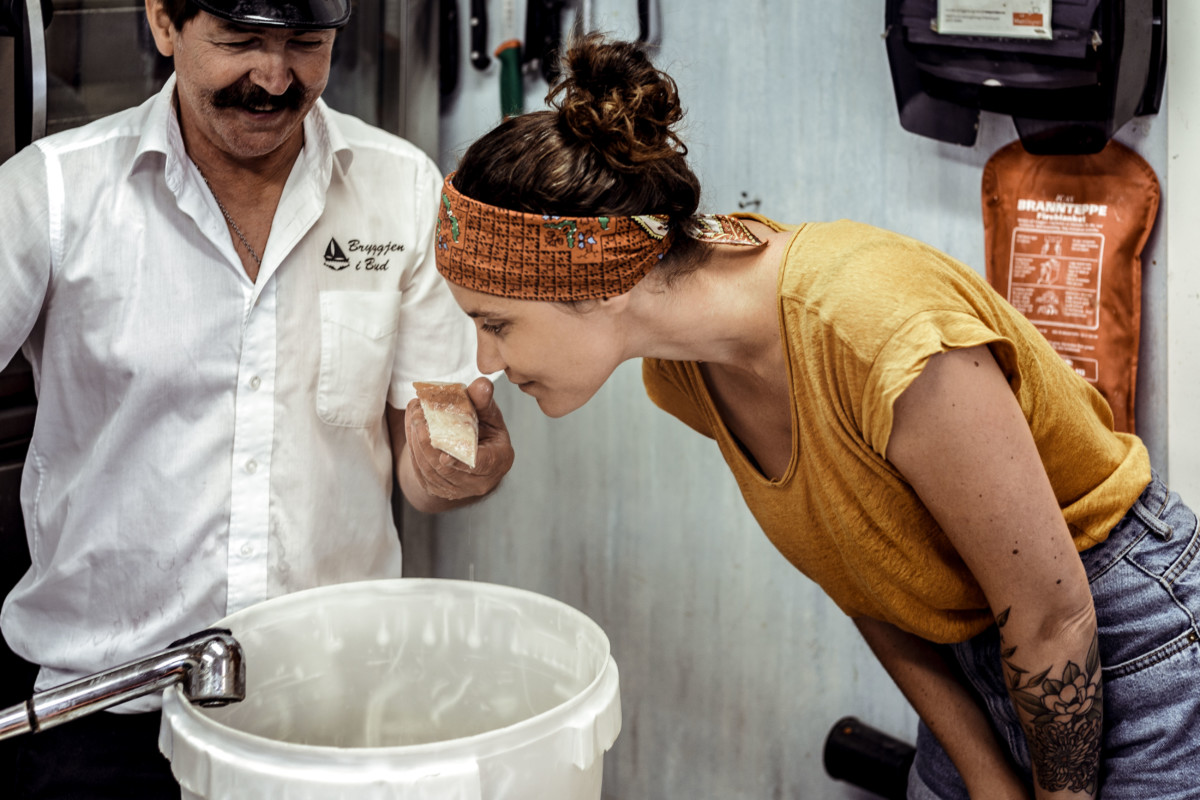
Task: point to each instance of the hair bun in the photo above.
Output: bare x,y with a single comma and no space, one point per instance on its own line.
613,98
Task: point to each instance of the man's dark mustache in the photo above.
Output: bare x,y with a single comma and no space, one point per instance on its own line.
251,96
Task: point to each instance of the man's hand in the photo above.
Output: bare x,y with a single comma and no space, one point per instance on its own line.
435,481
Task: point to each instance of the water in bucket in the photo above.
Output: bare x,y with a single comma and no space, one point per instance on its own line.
405,689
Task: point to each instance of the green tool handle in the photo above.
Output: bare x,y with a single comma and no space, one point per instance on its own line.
512,90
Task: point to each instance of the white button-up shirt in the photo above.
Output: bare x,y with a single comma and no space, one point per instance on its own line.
203,442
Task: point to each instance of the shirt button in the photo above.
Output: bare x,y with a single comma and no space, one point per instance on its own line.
247,550
252,466
255,382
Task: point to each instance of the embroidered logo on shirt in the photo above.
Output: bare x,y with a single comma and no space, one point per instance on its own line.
335,259
363,255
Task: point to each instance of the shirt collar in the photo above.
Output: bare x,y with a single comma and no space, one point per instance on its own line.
161,126
320,126
161,134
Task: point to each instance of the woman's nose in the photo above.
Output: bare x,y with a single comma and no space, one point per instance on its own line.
487,355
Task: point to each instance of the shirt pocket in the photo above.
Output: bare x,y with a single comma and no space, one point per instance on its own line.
358,346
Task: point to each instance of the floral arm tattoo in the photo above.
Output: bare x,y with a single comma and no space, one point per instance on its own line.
1062,717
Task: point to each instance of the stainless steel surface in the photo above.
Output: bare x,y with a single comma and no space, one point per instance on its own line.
23,62
37,61
208,666
385,69
415,91
14,721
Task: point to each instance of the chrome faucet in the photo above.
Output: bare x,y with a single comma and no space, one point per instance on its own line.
208,665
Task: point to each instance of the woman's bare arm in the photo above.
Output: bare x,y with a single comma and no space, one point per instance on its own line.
961,441
949,710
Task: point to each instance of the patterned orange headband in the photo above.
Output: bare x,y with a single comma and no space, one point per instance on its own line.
543,257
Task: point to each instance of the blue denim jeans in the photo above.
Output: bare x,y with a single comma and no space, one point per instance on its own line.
1145,581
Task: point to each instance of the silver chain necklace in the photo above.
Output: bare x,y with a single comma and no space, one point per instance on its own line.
229,219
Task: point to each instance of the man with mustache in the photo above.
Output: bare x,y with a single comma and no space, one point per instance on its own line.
226,294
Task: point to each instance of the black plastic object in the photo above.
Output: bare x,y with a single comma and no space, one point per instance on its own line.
448,47
1068,95
869,759
479,35
12,15
649,22
296,14
543,35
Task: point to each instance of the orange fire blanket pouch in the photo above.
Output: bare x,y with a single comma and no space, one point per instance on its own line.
1063,242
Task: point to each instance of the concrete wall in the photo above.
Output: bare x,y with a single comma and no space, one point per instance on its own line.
1180,308
734,666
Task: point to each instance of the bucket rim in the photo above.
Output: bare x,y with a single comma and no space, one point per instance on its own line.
473,746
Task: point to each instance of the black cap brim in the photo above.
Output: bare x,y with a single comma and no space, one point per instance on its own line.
302,14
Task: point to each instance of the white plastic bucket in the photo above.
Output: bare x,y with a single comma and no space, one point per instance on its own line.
407,689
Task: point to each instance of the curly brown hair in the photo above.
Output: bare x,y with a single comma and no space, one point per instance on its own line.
606,146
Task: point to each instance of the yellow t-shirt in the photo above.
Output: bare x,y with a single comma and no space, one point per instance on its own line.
861,310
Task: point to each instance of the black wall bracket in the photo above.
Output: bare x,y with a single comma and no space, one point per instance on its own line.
1105,64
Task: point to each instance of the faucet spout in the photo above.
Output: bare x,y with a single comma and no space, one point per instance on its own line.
208,665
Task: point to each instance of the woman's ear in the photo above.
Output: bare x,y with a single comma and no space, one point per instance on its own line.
615,305
160,27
